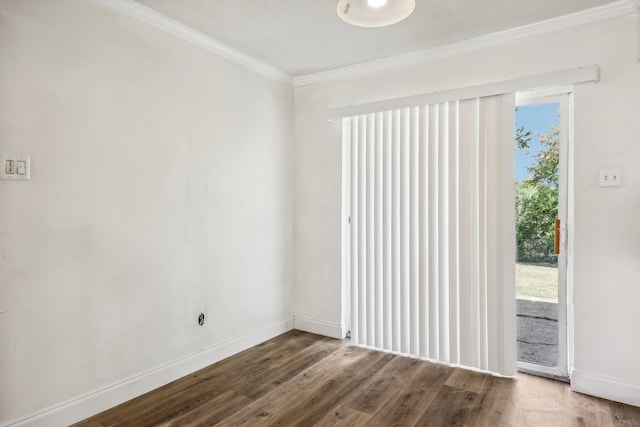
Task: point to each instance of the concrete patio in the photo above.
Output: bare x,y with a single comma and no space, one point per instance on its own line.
537,332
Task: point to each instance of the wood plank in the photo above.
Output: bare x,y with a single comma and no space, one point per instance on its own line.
466,379
411,398
499,407
314,407
452,407
583,410
89,423
268,375
313,392
303,379
342,416
213,411
624,415
383,385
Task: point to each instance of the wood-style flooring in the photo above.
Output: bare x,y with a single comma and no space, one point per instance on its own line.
301,379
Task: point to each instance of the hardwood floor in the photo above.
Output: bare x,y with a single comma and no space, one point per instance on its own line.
301,379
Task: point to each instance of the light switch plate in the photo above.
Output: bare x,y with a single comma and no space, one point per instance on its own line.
610,178
15,168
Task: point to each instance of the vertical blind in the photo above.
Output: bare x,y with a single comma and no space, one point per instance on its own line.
430,238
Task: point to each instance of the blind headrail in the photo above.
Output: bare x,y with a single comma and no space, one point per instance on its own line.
585,74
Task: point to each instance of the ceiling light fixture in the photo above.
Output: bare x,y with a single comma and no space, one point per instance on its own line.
376,3
374,13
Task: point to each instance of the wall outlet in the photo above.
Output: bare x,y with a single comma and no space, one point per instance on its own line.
610,178
15,168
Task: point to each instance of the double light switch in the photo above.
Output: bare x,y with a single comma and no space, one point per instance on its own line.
15,168
610,178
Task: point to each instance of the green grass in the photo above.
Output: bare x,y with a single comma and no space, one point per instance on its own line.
537,280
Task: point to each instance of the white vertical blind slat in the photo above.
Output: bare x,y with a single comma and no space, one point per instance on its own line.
362,229
482,234
423,272
467,115
443,232
346,231
387,199
414,232
370,204
379,260
454,284
404,230
493,228
395,232
433,287
353,228
475,236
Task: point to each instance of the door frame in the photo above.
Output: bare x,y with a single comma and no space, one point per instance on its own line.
563,96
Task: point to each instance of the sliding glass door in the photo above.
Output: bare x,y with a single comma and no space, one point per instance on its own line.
541,204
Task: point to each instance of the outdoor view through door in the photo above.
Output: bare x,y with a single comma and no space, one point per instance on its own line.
540,146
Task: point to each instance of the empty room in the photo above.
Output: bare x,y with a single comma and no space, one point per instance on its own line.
329,212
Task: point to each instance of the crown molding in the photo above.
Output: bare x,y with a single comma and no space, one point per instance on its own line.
589,16
155,19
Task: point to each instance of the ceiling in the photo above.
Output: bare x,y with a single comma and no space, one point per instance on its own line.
302,37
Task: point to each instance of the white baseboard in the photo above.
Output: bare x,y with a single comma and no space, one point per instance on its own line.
607,388
320,327
97,401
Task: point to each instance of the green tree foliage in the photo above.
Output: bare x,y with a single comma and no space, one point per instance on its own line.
523,137
537,198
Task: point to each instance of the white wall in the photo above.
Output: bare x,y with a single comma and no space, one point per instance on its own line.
607,230
161,187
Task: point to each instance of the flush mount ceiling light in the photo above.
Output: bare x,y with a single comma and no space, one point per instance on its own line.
374,13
